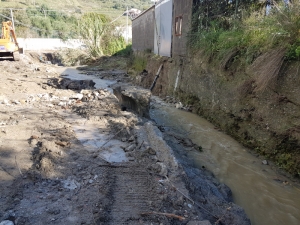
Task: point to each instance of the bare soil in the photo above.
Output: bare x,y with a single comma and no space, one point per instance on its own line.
54,168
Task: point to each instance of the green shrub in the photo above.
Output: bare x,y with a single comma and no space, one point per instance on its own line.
252,34
139,63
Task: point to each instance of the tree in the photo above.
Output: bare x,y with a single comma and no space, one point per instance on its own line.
93,27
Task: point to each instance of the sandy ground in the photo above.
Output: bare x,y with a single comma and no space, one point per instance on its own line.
71,155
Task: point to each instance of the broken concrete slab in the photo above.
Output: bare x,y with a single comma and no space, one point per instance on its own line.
133,98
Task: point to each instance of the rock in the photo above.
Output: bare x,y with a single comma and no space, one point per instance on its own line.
16,102
179,105
265,162
179,201
70,184
53,211
78,96
34,137
130,148
76,84
205,222
61,143
85,99
151,151
23,101
62,104
160,169
131,139
6,222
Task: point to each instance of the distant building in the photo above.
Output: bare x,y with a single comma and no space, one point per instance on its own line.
163,28
132,13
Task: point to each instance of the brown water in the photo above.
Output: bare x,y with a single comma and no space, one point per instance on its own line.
266,196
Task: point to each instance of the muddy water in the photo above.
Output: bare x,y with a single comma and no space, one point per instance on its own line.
265,196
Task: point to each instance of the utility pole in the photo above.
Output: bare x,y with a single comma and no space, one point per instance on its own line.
12,19
127,26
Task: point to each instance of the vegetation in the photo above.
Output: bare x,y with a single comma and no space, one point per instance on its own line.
100,35
39,18
246,29
59,18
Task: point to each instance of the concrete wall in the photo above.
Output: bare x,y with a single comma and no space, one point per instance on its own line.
36,44
143,31
181,8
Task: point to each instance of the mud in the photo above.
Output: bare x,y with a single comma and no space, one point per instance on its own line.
74,156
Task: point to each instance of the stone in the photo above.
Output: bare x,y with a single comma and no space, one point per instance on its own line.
23,101
61,143
130,148
160,169
151,151
85,99
54,211
62,104
16,102
78,96
131,139
77,84
6,222
178,105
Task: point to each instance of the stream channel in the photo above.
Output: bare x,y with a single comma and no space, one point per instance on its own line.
268,198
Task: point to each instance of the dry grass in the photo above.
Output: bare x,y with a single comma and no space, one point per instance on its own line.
228,59
266,68
246,88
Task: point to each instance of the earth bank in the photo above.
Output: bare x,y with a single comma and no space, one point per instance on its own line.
254,104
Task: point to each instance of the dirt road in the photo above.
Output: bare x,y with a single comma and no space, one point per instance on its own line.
71,154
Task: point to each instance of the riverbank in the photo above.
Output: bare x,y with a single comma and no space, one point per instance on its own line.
260,112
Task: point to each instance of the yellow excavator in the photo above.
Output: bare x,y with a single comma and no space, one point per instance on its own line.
9,46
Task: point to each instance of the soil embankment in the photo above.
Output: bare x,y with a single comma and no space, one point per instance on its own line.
258,105
71,154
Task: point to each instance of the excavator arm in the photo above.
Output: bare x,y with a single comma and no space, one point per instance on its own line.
9,45
8,32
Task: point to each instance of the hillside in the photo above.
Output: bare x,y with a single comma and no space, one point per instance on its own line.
58,19
73,5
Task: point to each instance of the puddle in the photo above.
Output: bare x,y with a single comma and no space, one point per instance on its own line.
75,74
94,141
